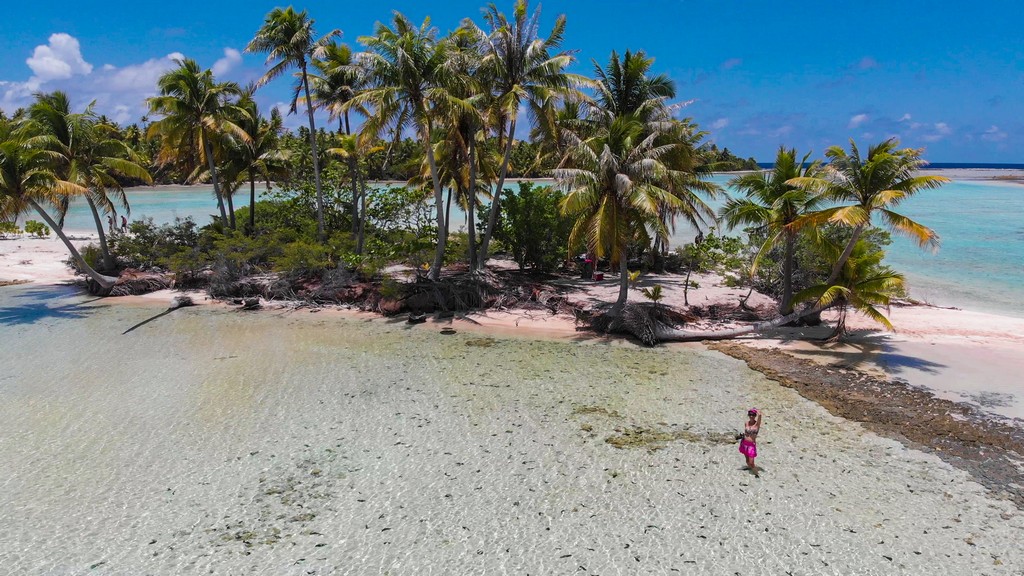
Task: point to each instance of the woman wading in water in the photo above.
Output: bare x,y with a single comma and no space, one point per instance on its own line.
748,445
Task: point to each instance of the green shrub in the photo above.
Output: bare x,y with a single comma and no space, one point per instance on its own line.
532,227
37,229
9,229
303,257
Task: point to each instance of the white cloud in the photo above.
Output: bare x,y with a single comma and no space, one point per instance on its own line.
857,120
138,77
720,123
61,58
230,59
993,134
939,131
905,118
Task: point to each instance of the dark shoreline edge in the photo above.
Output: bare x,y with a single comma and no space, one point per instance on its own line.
991,451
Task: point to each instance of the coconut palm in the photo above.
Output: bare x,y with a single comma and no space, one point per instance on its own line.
625,87
336,80
353,149
196,111
774,207
523,69
616,184
863,284
90,155
288,39
28,180
258,157
866,187
405,64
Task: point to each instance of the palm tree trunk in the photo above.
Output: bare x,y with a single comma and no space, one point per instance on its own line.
362,216
208,149
837,269
231,210
471,205
104,282
316,159
348,129
353,173
108,260
442,234
665,334
448,213
623,280
252,203
786,306
492,218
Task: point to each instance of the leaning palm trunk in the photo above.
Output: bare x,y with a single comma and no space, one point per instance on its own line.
213,176
108,260
442,234
837,269
665,334
492,218
316,158
105,283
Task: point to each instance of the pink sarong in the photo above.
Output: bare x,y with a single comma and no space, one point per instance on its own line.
748,448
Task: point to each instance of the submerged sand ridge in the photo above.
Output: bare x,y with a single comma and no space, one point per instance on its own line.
295,444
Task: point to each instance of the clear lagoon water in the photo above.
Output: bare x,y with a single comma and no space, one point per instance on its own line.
210,441
979,266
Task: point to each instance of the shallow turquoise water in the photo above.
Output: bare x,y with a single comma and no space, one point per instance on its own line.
979,266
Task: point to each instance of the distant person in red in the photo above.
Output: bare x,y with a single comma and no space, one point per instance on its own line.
748,444
124,224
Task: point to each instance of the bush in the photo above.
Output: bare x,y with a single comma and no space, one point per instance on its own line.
9,229
37,229
532,227
147,245
303,257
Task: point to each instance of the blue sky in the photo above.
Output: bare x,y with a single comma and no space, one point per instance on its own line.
936,74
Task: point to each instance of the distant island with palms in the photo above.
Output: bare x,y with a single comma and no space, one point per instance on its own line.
528,242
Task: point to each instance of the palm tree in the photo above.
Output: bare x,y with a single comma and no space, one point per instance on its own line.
775,208
260,155
864,284
90,155
405,65
336,81
616,184
865,187
626,88
522,68
27,180
353,149
288,39
195,110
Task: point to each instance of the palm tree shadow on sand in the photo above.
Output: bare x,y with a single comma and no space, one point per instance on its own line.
858,350
40,304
